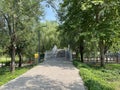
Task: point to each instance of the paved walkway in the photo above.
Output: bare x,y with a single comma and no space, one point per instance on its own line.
53,74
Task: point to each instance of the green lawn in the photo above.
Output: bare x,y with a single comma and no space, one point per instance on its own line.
6,76
4,59
96,78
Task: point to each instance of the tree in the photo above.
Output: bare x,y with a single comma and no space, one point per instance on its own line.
92,21
16,14
106,13
48,35
73,21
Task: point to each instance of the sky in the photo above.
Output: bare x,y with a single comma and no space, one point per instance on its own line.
49,14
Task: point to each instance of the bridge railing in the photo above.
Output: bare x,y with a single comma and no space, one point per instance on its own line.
60,53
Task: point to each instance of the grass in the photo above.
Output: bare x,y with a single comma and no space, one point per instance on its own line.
6,76
97,78
4,59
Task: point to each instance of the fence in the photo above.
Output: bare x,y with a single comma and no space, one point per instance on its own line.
111,58
60,53
106,59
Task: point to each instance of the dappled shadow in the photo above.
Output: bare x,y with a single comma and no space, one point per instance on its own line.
40,82
58,62
52,74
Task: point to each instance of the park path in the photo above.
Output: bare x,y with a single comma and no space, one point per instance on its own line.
52,74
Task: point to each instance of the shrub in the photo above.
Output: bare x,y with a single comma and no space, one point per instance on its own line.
95,79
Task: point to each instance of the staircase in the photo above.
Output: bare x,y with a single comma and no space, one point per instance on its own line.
60,53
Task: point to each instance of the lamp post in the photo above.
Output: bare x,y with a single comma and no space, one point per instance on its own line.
39,44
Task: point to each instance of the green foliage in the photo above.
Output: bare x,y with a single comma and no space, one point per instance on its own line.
48,35
100,78
91,25
18,23
4,73
113,66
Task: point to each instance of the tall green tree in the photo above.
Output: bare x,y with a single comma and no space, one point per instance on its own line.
73,20
106,14
16,13
48,35
92,21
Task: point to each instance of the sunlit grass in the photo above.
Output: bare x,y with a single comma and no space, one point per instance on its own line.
6,76
4,59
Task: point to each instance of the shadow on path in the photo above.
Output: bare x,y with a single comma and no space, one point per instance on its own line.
59,62
39,83
52,74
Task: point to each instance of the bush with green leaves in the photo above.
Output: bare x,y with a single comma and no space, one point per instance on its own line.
107,78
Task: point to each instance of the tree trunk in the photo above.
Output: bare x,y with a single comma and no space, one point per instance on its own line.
102,55
77,53
117,58
13,44
10,21
12,65
20,59
81,54
81,50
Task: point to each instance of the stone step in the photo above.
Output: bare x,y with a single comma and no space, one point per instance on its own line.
60,53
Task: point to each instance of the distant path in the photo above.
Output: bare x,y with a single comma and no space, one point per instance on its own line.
52,74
